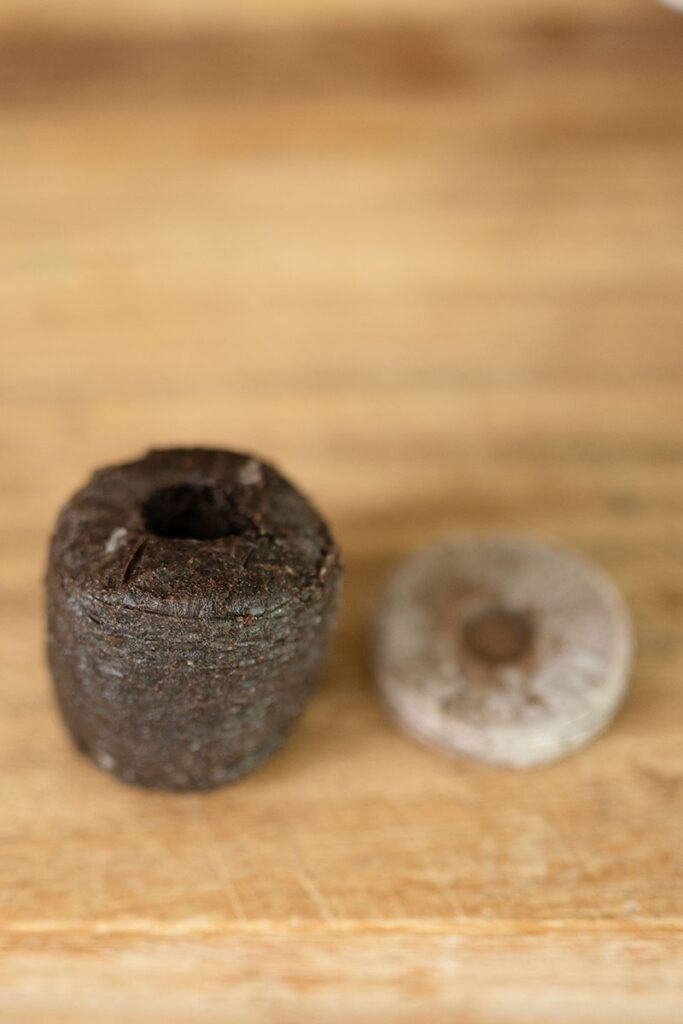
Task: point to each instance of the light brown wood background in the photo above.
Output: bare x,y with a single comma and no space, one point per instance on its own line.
428,257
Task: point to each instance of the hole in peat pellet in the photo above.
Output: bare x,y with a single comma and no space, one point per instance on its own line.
193,512
498,635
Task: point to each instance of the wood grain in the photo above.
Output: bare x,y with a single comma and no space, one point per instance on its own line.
180,15
434,269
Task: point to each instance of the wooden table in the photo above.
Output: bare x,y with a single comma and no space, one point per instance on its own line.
431,263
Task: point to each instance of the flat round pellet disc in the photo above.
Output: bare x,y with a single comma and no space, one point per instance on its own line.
502,648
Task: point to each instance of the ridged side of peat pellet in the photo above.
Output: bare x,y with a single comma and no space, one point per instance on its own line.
190,598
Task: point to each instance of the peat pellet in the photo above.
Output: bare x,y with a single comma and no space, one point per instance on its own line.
501,648
190,597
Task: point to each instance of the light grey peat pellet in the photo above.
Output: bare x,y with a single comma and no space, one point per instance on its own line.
502,648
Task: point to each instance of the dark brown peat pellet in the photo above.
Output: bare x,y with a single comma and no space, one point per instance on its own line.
190,598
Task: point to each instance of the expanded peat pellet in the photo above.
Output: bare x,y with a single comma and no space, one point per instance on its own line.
502,648
190,598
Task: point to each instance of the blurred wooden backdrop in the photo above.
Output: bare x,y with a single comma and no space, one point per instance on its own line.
429,257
